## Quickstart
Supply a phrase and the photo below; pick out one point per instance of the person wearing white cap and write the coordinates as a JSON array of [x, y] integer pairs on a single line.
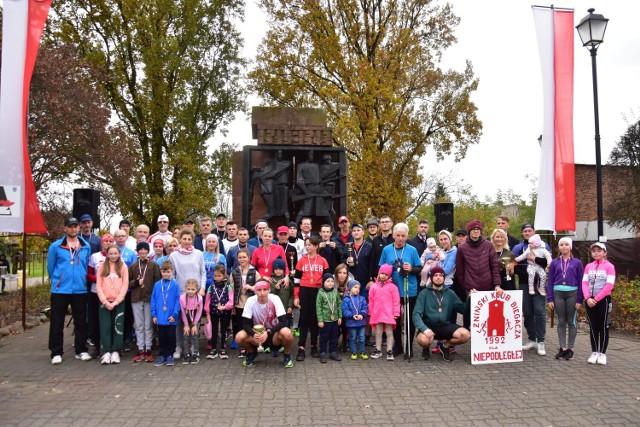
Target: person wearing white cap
[[163, 230], [597, 284], [564, 294]]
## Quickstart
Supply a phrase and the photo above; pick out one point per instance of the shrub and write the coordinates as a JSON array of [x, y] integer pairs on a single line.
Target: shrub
[[626, 304]]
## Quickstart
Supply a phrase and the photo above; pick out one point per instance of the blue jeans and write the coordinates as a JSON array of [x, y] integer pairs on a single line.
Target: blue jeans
[[356, 333], [534, 310]]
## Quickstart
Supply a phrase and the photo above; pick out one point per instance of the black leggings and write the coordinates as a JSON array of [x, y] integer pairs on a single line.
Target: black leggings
[[222, 322], [237, 321], [308, 316], [599, 322]]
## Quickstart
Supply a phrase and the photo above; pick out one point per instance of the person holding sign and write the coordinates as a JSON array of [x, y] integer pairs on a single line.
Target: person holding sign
[[432, 313]]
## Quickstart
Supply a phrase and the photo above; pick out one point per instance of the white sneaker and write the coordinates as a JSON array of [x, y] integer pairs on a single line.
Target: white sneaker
[[56, 360], [84, 356], [106, 358], [115, 357], [602, 359], [177, 353], [530, 345], [593, 358], [541, 350]]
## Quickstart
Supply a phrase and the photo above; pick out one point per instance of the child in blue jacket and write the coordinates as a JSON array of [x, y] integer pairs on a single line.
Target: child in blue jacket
[[165, 309], [354, 311]]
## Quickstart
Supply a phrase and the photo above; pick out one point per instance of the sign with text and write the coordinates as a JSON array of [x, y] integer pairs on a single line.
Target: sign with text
[[496, 327]]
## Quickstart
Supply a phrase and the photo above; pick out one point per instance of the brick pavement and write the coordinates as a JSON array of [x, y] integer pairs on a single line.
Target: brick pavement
[[540, 391]]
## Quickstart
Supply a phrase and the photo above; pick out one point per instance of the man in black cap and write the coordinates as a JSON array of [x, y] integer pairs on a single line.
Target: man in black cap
[[221, 226], [534, 307], [189, 225], [86, 227], [461, 237], [67, 262]]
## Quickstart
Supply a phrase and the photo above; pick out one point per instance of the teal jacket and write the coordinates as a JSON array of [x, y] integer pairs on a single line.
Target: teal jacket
[[426, 314]]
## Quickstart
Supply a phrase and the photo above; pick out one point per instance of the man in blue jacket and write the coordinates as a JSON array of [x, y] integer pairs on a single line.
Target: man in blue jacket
[[67, 267]]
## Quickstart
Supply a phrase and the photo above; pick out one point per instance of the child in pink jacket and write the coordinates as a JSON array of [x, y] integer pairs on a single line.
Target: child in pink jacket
[[111, 286], [384, 309]]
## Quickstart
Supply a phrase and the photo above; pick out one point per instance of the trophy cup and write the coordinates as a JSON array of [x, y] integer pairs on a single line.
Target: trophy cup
[[505, 260], [258, 329], [353, 261]]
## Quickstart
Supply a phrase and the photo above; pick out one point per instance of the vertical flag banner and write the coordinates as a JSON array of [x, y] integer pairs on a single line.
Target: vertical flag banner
[[556, 205], [22, 26]]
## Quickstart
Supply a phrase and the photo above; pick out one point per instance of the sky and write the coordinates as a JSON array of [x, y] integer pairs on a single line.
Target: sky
[[498, 37]]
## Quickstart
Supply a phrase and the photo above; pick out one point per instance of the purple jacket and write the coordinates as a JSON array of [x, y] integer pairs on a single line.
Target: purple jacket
[[572, 276], [477, 265]]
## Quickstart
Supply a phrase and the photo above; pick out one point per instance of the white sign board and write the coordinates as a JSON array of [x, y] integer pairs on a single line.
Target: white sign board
[[496, 327]]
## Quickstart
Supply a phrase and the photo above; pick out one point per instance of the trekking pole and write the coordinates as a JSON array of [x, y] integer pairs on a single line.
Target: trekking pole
[[407, 341]]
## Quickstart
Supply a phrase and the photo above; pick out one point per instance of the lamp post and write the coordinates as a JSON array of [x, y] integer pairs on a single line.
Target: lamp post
[[591, 30]]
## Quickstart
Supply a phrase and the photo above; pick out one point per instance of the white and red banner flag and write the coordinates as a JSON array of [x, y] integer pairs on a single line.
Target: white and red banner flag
[[22, 25], [556, 205]]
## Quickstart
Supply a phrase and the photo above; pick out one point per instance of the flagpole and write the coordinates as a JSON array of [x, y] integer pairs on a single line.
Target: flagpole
[[24, 281]]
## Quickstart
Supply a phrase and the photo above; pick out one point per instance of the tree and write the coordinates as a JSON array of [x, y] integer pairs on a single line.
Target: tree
[[171, 71], [373, 66], [624, 209]]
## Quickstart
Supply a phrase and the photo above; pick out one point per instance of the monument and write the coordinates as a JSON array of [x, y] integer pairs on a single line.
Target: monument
[[294, 170]]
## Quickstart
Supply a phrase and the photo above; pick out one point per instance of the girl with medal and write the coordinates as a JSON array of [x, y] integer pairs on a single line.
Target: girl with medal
[[384, 308], [329, 313], [266, 254], [597, 284], [218, 307], [342, 277], [355, 310], [165, 309], [93, 307], [112, 287], [212, 257], [191, 306], [243, 279], [564, 295], [308, 280]]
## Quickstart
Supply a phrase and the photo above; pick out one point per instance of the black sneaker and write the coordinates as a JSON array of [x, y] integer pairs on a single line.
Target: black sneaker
[[560, 354], [314, 351], [568, 354], [445, 352], [186, 359], [195, 358], [323, 357], [335, 356], [426, 353], [300, 356]]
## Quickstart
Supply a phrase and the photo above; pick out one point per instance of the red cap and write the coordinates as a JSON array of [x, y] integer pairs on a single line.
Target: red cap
[[283, 229], [343, 219]]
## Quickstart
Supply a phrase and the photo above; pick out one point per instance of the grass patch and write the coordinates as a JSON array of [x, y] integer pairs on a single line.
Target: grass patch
[[38, 298]]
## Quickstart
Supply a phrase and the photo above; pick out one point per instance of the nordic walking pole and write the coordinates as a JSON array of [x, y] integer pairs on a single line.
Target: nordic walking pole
[[407, 342]]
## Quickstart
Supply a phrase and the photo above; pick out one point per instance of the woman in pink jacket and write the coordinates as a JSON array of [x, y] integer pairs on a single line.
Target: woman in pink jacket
[[384, 309], [111, 286]]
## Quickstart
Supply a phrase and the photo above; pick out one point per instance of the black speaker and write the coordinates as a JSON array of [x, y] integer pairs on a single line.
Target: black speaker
[[86, 201], [444, 216]]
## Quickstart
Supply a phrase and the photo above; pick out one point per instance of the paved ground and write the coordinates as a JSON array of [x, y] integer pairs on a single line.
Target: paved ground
[[540, 391]]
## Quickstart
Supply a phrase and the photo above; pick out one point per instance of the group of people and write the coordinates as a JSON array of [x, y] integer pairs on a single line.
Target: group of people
[[277, 290]]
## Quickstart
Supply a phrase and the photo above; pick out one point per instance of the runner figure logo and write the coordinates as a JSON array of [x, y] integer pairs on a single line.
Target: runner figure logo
[[496, 327]]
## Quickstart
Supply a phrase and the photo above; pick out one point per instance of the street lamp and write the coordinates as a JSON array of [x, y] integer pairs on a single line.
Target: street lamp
[[591, 30]]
